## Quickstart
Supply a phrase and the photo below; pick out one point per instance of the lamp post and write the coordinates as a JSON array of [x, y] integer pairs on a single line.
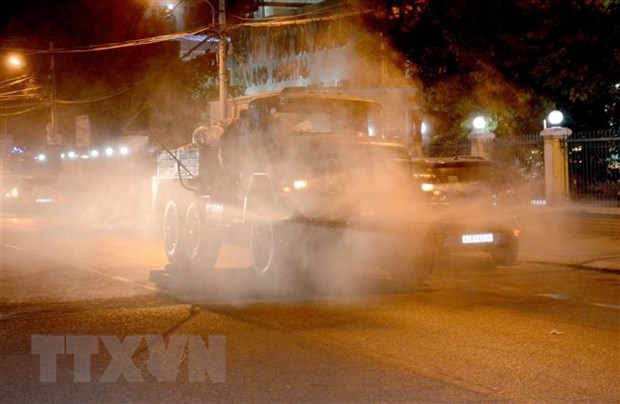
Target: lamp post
[[222, 62], [15, 62], [480, 138], [556, 163], [52, 134]]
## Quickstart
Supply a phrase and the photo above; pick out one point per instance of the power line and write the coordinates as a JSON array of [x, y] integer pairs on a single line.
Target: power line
[[22, 105], [24, 111], [16, 80], [115, 45], [95, 99]]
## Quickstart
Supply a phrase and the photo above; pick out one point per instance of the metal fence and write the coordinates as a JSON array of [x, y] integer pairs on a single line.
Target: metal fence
[[593, 162], [447, 149], [521, 158], [594, 165]]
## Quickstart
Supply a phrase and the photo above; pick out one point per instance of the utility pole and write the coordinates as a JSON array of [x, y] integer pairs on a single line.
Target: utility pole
[[222, 57], [53, 130]]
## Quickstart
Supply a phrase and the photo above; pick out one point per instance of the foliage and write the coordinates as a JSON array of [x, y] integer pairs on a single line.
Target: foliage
[[514, 59]]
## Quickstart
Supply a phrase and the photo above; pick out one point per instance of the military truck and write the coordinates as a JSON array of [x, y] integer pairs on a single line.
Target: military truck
[[297, 169]]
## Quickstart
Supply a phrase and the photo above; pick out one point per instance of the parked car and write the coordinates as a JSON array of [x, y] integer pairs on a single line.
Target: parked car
[[469, 203]]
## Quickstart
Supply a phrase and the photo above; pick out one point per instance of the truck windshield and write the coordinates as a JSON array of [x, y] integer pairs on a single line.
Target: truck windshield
[[322, 115], [290, 123]]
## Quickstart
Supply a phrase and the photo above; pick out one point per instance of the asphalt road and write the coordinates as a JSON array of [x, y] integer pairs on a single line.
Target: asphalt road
[[474, 332]]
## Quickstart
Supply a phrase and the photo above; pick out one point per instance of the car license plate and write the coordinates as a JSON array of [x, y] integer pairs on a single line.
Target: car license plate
[[477, 238]]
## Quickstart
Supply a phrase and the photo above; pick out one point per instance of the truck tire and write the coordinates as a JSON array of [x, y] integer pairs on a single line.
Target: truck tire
[[505, 253], [174, 229], [263, 244], [277, 263], [261, 227], [203, 239]]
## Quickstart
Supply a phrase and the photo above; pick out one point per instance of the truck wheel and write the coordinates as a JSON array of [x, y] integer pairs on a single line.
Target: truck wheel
[[262, 245], [506, 253], [173, 234], [274, 245], [203, 239]]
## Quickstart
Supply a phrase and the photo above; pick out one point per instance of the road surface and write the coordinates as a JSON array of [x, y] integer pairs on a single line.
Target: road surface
[[473, 332]]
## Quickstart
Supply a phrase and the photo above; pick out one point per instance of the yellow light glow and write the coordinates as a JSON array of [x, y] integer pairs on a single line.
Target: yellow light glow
[[15, 61], [427, 187], [300, 184]]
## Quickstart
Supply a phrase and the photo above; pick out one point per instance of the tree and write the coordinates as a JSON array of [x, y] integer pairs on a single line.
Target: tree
[[515, 59]]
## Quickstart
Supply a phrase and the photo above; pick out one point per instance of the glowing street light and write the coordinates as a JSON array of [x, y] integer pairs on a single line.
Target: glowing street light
[[423, 128], [15, 61], [555, 117], [480, 123]]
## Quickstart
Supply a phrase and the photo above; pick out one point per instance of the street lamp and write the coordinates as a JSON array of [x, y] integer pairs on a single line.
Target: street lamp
[[555, 117], [480, 138], [480, 123], [52, 133], [15, 61]]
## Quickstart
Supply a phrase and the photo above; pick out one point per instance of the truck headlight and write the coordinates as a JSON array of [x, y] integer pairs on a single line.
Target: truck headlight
[[300, 184], [427, 187], [13, 193]]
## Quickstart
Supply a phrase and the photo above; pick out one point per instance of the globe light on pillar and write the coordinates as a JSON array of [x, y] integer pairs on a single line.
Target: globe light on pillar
[[555, 118], [480, 123], [480, 138], [555, 158]]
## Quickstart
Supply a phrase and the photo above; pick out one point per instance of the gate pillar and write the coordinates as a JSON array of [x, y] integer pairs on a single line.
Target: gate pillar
[[556, 163], [480, 143]]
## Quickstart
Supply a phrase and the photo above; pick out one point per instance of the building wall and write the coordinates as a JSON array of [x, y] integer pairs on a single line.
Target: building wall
[[269, 58]]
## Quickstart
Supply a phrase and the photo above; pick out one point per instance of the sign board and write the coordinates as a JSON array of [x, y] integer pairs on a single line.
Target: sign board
[[82, 131], [53, 139]]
